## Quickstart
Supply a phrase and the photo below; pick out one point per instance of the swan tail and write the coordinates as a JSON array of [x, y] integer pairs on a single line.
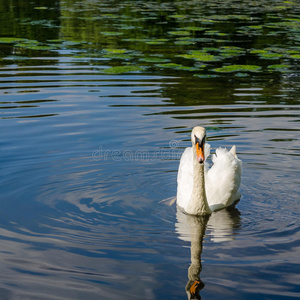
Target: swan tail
[[233, 151]]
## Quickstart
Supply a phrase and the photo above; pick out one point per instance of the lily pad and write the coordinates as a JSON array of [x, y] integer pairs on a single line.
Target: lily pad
[[154, 60], [157, 41], [41, 7], [238, 68], [169, 65], [10, 40], [180, 32], [111, 33], [178, 67], [206, 75], [280, 68], [194, 28], [295, 56], [199, 55], [122, 69]]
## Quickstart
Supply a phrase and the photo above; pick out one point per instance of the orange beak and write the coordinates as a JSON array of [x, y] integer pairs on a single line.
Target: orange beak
[[200, 153]]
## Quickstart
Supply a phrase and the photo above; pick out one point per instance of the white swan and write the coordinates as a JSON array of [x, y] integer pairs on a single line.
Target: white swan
[[201, 191]]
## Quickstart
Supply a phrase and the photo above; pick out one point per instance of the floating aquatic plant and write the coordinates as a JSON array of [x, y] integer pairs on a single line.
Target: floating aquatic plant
[[111, 33], [193, 28], [178, 67], [178, 16], [230, 51], [295, 56], [156, 41], [154, 60], [271, 56], [237, 68], [184, 42], [206, 75], [122, 69], [199, 55], [258, 51], [35, 45], [280, 68], [180, 32], [169, 65], [10, 40], [41, 7], [115, 51]]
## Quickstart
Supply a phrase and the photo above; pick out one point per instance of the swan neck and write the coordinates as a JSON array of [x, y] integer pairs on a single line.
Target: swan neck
[[198, 204]]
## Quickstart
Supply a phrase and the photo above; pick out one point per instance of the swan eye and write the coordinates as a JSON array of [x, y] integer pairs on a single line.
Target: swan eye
[[200, 142]]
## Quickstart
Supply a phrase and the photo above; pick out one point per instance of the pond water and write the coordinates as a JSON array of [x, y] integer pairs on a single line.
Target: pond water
[[98, 99]]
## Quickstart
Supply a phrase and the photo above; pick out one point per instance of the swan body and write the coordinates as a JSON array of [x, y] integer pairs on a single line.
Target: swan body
[[201, 190]]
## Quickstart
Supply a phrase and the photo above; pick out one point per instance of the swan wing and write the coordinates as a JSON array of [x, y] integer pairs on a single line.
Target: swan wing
[[223, 179]]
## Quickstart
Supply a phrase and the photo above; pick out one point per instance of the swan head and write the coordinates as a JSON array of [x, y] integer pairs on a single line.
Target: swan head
[[198, 136]]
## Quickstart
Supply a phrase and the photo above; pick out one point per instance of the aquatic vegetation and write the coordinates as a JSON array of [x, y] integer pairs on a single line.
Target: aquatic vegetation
[[206, 75], [59, 41], [122, 69], [194, 28], [178, 16], [258, 51], [215, 32], [10, 40], [178, 67], [180, 32], [199, 55], [280, 68], [295, 56], [231, 51], [154, 60], [184, 42], [35, 45], [115, 51], [238, 68], [118, 56], [41, 7], [118, 53], [169, 66], [270, 55], [156, 41], [111, 33]]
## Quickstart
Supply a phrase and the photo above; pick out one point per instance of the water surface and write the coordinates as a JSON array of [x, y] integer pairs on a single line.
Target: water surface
[[97, 102]]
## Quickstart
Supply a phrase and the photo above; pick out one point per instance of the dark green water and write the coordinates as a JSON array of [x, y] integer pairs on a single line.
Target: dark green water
[[97, 102]]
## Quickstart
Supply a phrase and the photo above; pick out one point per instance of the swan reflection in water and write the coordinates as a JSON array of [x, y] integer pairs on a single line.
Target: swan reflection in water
[[222, 226]]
